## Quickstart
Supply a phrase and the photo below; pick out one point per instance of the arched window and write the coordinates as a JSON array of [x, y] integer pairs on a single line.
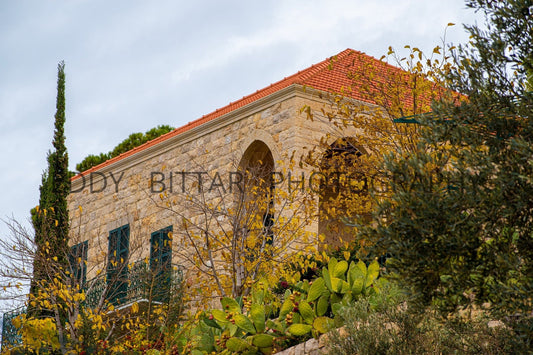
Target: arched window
[[342, 181], [255, 199]]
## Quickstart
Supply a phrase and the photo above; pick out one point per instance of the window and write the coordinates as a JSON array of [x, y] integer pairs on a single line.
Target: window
[[268, 223], [117, 268], [78, 263], [339, 199], [160, 263]]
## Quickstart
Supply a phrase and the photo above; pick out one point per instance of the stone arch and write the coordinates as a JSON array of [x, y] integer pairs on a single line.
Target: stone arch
[[257, 155], [339, 167], [256, 166], [259, 135]]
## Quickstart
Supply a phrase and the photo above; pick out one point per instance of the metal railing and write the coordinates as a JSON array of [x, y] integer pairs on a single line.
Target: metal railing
[[141, 284], [10, 334]]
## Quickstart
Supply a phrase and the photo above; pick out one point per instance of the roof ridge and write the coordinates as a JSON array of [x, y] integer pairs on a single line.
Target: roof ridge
[[323, 65]]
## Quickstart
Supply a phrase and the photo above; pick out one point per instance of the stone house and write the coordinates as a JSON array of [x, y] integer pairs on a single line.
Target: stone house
[[117, 209]]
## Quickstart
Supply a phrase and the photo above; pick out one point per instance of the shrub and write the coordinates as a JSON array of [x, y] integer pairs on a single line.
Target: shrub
[[385, 325]]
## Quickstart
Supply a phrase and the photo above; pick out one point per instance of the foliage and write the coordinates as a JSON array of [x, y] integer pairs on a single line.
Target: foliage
[[50, 218], [459, 219], [133, 140], [368, 119], [388, 326], [38, 334], [98, 329], [76, 315], [230, 239], [261, 324]]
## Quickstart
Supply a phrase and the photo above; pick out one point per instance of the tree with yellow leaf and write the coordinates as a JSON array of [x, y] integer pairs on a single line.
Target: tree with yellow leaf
[[228, 239], [459, 219], [80, 315], [372, 117]]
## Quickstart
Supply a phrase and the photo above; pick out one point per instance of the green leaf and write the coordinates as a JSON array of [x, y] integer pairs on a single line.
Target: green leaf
[[379, 284], [340, 269], [211, 323], [232, 329], [230, 305], [307, 312], [305, 286], [347, 298], [299, 329], [267, 351], [327, 278], [331, 266], [322, 305], [244, 323], [237, 345], [297, 318], [275, 325], [258, 296], [339, 285], [257, 313], [357, 286], [361, 266], [351, 273], [357, 276], [372, 273], [323, 324], [262, 340], [219, 315], [286, 307], [316, 289], [334, 298], [335, 308]]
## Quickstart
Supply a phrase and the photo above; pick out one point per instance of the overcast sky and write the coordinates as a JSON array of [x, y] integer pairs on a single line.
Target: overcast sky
[[133, 65]]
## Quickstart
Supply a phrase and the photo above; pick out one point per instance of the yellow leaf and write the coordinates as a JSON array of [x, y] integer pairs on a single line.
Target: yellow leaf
[[135, 307], [346, 255]]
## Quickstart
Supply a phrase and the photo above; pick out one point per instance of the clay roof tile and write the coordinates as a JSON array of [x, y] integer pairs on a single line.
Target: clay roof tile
[[330, 74]]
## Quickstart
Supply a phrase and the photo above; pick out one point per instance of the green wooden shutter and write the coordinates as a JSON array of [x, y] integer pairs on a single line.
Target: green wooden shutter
[[117, 268], [78, 263], [161, 263]]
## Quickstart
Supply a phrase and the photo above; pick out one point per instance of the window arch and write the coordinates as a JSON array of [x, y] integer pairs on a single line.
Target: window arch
[[342, 182], [256, 198]]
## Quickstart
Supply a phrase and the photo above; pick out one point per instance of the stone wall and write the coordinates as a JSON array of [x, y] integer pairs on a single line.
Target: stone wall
[[310, 347], [120, 193]]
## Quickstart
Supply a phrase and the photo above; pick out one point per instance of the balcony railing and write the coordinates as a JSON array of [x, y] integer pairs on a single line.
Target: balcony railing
[[10, 333], [141, 285]]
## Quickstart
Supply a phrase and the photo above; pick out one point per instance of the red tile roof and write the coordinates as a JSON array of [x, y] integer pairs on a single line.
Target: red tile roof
[[331, 75]]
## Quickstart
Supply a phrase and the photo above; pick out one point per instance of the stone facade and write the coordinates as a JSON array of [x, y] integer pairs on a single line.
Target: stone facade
[[128, 189], [120, 194]]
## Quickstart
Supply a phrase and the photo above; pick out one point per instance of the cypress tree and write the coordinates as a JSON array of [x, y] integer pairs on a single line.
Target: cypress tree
[[50, 218]]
